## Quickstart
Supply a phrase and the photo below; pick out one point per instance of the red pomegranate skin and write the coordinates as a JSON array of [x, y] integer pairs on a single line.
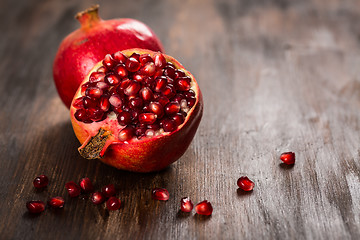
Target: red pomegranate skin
[[148, 155], [82, 49]]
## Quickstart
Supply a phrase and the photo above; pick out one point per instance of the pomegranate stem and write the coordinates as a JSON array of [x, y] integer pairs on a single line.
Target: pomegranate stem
[[89, 17]]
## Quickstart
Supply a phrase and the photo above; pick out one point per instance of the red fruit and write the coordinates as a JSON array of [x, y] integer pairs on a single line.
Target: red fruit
[[41, 181], [160, 194], [288, 157], [186, 204], [86, 185], [204, 208], [35, 206], [97, 198], [146, 127], [73, 189], [56, 202], [113, 203], [245, 183], [109, 190], [89, 44]]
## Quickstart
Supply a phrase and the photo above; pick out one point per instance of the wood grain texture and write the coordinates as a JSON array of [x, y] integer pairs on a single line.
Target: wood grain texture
[[276, 76]]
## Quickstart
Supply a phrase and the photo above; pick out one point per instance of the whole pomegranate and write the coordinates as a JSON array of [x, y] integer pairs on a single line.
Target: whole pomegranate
[[136, 110], [83, 48]]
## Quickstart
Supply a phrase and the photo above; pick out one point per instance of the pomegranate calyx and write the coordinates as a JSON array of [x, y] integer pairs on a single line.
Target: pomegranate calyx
[[95, 146], [89, 17]]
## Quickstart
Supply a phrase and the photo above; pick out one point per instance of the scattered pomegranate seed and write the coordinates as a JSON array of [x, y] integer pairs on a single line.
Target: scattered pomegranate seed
[[73, 189], [245, 183], [56, 202], [41, 181], [35, 206], [160, 194], [113, 203], [204, 208], [86, 185], [186, 204], [97, 198], [288, 157], [109, 190]]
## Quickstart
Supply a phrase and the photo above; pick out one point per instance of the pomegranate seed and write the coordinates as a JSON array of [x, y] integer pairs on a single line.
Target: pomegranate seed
[[90, 102], [109, 61], [121, 70], [136, 102], [183, 83], [186, 204], [35, 206], [179, 73], [73, 189], [112, 79], [138, 77], [126, 133], [120, 57], [163, 100], [116, 101], [160, 83], [168, 91], [145, 58], [136, 56], [109, 190], [124, 118], [169, 71], [160, 194], [146, 94], [104, 103], [96, 77], [56, 202], [172, 108], [140, 131], [159, 60], [149, 133], [204, 208], [156, 108], [154, 126], [245, 183], [41, 181], [178, 118], [288, 157], [86, 185], [103, 86], [132, 64], [97, 198], [148, 69], [95, 114], [78, 103], [101, 69], [113, 203], [147, 118], [178, 97], [191, 102], [168, 125], [82, 116], [132, 89], [123, 85]]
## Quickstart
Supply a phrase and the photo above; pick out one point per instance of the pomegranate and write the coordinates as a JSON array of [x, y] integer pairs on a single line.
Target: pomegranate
[[136, 110], [83, 48]]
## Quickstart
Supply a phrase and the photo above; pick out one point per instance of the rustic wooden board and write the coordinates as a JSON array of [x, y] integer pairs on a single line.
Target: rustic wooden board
[[276, 76]]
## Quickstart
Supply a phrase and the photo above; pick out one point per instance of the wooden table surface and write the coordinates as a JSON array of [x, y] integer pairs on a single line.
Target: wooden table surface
[[276, 76]]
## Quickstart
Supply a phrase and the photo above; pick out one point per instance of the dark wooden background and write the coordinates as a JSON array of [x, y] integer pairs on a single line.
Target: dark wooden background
[[276, 76]]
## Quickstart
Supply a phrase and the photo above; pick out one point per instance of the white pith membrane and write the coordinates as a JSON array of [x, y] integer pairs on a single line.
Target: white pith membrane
[[110, 119]]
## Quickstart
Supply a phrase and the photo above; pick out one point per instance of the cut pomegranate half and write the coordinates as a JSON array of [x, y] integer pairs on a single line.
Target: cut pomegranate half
[[142, 118]]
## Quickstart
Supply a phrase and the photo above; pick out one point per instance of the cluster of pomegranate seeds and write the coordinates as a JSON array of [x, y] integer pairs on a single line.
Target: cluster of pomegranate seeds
[[245, 183], [148, 95], [186, 205], [56, 202], [41, 181], [73, 189], [288, 158], [160, 194], [35, 206], [204, 208]]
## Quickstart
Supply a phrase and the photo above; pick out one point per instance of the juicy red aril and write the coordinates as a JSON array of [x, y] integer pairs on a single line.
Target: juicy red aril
[[81, 115], [163, 100], [169, 91], [121, 70], [112, 79], [156, 108], [109, 190], [132, 64], [90, 102], [78, 103], [169, 71], [146, 94], [124, 118], [41, 181], [148, 69], [191, 102], [178, 118], [145, 58], [113, 203], [288, 157], [160, 194], [172, 108], [119, 57], [168, 125], [183, 83], [73, 189], [147, 118], [35, 206], [179, 73], [103, 86], [86, 185], [97, 198], [136, 102], [245, 183], [116, 101], [186, 205], [149, 133], [159, 60], [96, 77], [132, 89], [104, 103], [95, 114], [126, 133], [204, 208], [109, 61], [56, 202], [160, 83]]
